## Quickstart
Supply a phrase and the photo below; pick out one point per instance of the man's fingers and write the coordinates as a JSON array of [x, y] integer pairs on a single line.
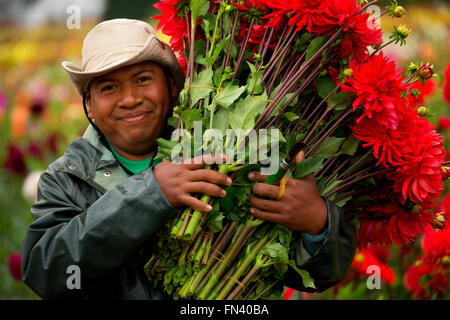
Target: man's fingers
[[201, 161], [268, 216], [210, 176], [299, 157], [265, 205], [195, 204], [257, 176], [266, 190], [205, 188]]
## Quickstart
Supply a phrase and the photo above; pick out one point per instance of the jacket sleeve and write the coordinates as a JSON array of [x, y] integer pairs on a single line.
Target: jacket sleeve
[[97, 239], [329, 264]]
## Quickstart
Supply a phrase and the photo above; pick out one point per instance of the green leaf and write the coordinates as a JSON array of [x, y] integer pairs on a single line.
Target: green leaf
[[291, 116], [254, 80], [328, 148], [217, 49], [324, 86], [214, 219], [201, 86], [350, 146], [242, 118], [308, 166], [220, 120], [308, 282], [277, 252], [190, 116], [341, 100], [199, 8], [228, 96], [331, 186], [314, 46]]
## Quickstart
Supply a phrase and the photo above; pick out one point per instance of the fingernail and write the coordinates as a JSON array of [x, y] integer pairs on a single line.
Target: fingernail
[[252, 211], [229, 181], [251, 175], [224, 193], [208, 207]]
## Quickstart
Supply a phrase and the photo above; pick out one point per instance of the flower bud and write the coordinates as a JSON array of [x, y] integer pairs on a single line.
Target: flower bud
[[399, 11], [423, 111], [413, 67], [418, 263], [426, 71], [347, 72], [403, 31]]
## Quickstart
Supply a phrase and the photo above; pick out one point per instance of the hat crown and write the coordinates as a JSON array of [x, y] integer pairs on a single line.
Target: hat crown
[[114, 40]]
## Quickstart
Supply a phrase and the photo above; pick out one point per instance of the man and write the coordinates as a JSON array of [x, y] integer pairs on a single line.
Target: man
[[100, 205]]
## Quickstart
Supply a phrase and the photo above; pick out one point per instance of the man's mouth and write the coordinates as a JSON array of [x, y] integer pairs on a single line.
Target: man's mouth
[[134, 117]]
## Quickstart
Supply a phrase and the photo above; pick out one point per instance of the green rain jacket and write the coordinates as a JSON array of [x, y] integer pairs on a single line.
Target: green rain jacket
[[94, 221]]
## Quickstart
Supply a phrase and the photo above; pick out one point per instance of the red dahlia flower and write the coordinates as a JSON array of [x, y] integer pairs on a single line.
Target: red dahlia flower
[[384, 223], [419, 176], [172, 21], [305, 13], [279, 12], [378, 86], [359, 32]]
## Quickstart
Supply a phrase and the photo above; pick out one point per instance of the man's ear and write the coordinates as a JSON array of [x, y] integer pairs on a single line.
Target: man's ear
[[88, 104]]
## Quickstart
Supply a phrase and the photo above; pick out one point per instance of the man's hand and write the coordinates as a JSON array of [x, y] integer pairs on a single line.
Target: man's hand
[[179, 181], [301, 208]]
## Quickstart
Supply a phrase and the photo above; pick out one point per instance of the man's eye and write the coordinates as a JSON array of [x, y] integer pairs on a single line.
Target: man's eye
[[107, 88], [143, 79]]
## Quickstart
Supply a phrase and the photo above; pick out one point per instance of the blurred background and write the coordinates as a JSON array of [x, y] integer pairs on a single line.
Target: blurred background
[[41, 113]]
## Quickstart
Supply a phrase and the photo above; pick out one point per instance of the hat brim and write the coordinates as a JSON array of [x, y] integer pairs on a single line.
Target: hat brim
[[153, 50]]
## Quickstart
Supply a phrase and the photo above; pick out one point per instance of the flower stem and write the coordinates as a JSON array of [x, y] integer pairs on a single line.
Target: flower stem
[[242, 267]]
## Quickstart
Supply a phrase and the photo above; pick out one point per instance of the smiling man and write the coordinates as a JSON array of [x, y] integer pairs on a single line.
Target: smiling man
[[100, 205]]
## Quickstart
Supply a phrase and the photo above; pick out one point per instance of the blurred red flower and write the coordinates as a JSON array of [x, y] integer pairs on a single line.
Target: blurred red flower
[[444, 122], [423, 280], [14, 264], [446, 88], [368, 257], [15, 162]]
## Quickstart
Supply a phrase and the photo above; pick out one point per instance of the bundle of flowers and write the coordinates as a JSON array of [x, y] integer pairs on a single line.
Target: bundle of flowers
[[265, 79]]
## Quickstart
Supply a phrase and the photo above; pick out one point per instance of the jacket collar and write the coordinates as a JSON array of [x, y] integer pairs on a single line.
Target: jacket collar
[[88, 159]]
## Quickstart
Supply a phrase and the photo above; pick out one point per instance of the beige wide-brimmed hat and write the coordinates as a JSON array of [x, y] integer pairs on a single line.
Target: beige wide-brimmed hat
[[117, 43]]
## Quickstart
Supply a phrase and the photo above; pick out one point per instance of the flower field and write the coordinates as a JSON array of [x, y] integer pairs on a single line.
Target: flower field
[[406, 256]]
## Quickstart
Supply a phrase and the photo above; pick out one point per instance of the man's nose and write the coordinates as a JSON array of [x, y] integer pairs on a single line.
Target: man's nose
[[130, 96]]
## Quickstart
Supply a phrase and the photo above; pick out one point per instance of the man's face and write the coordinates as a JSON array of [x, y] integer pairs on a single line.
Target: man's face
[[129, 106]]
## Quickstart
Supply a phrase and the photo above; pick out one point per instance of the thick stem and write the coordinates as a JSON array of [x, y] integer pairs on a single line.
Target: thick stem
[[229, 256], [242, 267], [327, 134], [324, 100], [246, 280], [353, 182], [242, 51]]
